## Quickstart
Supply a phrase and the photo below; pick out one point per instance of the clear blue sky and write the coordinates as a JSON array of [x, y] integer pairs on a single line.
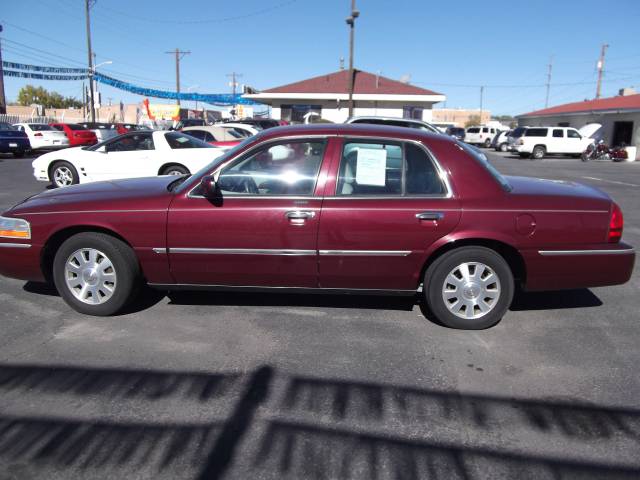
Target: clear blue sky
[[451, 47]]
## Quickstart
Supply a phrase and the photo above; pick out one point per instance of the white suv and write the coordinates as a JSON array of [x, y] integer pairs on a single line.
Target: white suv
[[480, 135], [537, 142]]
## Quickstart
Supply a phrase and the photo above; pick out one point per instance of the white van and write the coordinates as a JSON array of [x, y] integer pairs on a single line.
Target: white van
[[537, 142], [481, 135]]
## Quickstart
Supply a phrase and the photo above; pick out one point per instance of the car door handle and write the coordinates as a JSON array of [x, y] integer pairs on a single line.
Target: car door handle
[[300, 214], [433, 216]]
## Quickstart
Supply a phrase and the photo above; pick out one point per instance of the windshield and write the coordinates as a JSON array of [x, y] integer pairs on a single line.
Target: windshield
[[484, 161]]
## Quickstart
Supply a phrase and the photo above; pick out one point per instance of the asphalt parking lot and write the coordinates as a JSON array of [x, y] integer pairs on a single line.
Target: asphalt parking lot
[[253, 386]]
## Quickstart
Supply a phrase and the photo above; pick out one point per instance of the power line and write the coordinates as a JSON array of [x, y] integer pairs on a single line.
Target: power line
[[212, 20]]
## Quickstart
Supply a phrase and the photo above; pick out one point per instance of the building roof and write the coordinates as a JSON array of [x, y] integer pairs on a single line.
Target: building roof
[[626, 102], [365, 83]]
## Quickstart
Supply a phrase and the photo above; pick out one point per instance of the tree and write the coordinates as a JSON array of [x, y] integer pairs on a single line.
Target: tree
[[473, 120], [29, 95]]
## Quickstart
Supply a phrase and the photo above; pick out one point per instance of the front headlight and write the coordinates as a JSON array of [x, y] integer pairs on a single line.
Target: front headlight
[[14, 228]]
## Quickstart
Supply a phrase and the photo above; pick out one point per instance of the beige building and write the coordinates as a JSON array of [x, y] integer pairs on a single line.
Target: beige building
[[458, 117], [129, 113]]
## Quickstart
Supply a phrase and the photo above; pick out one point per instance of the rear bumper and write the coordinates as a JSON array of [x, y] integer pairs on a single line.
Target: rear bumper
[[558, 269], [20, 260], [10, 145]]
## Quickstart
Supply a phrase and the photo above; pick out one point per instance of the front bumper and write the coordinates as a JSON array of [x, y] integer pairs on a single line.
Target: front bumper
[[589, 266], [21, 260]]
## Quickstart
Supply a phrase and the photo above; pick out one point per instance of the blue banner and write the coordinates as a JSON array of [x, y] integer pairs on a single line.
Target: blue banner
[[37, 68], [213, 98], [43, 76]]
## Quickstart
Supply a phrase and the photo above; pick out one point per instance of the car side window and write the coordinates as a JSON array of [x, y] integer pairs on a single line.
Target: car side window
[[394, 169], [485, 130], [558, 133], [573, 134], [199, 134], [58, 127], [289, 168], [131, 143]]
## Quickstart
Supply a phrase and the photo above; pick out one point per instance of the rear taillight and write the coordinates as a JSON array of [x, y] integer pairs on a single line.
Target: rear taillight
[[616, 224], [37, 134]]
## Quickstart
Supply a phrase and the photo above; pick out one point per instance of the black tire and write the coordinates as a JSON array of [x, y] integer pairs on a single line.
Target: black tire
[[487, 143], [437, 273], [504, 147], [18, 154], [63, 174], [538, 152], [175, 170], [125, 268]]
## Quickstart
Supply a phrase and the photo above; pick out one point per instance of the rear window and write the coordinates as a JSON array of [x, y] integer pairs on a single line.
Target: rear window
[[6, 126], [473, 130], [536, 132], [180, 140], [482, 159], [74, 126], [40, 127], [518, 132]]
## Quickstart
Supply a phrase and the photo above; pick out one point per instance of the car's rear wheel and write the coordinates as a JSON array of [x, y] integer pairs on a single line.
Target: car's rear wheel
[[504, 147], [63, 174], [538, 152], [175, 170], [469, 288], [95, 273], [487, 143]]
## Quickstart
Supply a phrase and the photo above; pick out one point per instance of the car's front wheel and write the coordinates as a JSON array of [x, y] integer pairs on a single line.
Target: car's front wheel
[[504, 147], [63, 174], [469, 288], [95, 273]]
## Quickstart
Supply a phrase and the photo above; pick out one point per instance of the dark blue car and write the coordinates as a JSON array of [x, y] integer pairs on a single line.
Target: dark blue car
[[13, 141]]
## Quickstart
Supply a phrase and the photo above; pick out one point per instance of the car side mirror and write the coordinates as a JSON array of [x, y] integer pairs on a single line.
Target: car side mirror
[[209, 187]]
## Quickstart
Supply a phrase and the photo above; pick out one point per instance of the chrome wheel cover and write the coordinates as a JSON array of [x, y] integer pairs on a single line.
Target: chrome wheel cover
[[90, 276], [62, 176], [471, 290]]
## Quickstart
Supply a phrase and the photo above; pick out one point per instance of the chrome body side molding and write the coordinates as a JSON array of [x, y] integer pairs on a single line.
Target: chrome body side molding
[[307, 290], [555, 253]]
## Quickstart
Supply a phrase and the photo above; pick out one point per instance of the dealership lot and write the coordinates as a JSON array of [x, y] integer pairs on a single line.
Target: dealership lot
[[222, 385]]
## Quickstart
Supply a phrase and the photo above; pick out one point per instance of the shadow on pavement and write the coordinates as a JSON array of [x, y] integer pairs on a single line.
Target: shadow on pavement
[[269, 424], [578, 298]]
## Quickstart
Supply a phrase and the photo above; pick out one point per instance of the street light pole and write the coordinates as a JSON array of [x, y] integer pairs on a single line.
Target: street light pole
[[351, 21], [87, 8]]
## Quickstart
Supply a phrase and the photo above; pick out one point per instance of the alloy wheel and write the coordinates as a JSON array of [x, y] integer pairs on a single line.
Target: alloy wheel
[[90, 276], [471, 290], [62, 177]]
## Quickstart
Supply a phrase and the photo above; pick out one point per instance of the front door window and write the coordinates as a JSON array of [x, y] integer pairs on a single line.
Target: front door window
[[278, 169]]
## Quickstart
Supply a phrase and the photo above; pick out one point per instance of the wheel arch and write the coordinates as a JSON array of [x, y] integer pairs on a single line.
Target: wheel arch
[[511, 255], [54, 242], [172, 164]]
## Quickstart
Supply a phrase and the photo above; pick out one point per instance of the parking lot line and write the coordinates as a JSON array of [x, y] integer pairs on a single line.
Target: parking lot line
[[612, 181]]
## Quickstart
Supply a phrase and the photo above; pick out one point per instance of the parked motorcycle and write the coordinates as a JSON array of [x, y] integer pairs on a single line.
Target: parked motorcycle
[[600, 151]]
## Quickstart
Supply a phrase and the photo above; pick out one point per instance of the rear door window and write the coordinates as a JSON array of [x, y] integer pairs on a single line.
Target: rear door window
[[558, 133], [387, 169], [536, 132]]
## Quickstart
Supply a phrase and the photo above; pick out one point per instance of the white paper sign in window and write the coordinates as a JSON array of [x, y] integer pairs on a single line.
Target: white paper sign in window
[[371, 167]]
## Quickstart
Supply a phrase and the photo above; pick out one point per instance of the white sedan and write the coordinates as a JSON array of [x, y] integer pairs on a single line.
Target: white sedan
[[135, 154], [43, 136]]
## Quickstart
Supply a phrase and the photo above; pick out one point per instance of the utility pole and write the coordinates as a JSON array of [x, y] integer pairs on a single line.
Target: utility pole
[[481, 98], [3, 100], [179, 55], [87, 8], [351, 21], [601, 68], [234, 85], [546, 100]]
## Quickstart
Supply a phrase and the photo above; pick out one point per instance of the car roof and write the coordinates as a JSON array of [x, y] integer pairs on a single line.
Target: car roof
[[351, 129]]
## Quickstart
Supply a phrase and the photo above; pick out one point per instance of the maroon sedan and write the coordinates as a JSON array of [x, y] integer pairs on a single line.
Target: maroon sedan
[[324, 208], [77, 134]]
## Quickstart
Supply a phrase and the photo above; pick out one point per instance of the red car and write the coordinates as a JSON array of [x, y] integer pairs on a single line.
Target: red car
[[123, 128], [77, 134], [324, 208]]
